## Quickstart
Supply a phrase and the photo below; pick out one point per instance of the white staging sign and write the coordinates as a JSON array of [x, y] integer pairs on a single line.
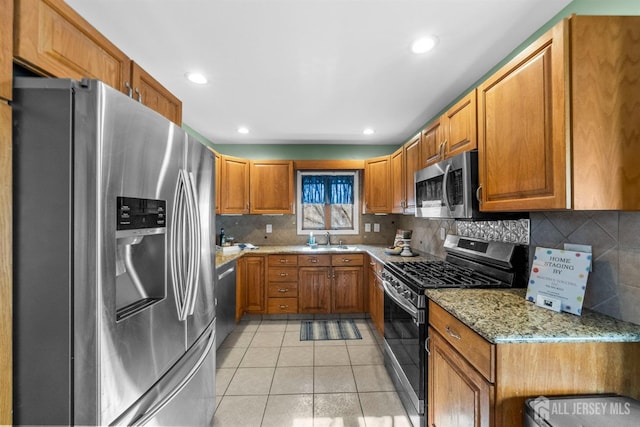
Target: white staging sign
[[558, 279]]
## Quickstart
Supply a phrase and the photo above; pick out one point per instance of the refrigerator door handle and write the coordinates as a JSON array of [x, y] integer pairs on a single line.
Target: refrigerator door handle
[[148, 415], [195, 239], [177, 246]]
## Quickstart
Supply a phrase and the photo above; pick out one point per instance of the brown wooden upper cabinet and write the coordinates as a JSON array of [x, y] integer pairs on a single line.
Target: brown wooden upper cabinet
[[6, 48], [377, 190], [271, 187], [151, 93], [234, 185], [254, 186], [452, 133], [404, 163], [558, 124], [398, 189], [431, 144], [412, 162], [460, 126], [52, 39]]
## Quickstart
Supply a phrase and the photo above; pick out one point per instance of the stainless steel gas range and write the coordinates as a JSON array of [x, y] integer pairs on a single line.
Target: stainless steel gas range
[[470, 263]]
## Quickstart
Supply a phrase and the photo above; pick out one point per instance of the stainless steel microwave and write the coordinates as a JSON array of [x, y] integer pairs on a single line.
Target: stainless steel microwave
[[447, 189]]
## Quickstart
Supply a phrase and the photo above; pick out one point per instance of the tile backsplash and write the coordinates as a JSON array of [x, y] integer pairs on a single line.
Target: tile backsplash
[[510, 231], [613, 287], [252, 229]]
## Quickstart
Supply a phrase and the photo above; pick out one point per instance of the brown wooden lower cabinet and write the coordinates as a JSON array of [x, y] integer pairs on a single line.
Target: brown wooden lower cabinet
[[473, 382], [309, 284], [251, 283], [376, 294], [314, 289], [346, 290], [458, 394]]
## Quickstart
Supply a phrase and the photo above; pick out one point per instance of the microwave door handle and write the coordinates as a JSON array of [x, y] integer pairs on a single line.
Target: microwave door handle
[[445, 195]]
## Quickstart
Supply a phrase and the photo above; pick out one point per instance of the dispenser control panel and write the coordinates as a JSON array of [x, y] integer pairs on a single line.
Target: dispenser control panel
[[135, 213]]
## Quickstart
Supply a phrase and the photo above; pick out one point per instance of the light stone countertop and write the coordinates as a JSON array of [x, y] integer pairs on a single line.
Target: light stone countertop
[[375, 251], [504, 316]]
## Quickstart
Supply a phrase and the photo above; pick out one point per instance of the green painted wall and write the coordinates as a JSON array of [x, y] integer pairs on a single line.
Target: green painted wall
[[305, 151], [296, 151], [357, 152]]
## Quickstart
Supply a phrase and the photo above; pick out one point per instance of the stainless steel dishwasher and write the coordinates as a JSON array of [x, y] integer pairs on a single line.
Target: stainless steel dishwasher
[[225, 295]]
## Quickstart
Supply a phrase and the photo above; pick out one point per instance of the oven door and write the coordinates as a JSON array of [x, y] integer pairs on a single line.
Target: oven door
[[404, 338]]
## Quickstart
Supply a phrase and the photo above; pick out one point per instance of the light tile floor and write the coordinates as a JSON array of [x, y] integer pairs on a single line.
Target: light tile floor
[[267, 377]]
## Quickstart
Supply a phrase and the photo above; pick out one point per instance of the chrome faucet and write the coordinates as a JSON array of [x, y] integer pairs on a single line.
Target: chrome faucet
[[328, 239]]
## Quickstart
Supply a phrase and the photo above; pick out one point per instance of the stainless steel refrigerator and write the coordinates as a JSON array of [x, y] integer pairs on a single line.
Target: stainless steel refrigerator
[[114, 315]]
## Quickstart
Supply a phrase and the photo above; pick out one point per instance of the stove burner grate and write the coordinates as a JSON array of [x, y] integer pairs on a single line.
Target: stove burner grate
[[444, 274]]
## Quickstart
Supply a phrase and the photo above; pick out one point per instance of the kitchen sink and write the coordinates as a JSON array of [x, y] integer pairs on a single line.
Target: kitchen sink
[[332, 248]]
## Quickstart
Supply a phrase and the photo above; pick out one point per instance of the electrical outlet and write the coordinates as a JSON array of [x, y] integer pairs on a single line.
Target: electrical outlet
[[269, 228], [376, 228], [367, 228], [443, 233]]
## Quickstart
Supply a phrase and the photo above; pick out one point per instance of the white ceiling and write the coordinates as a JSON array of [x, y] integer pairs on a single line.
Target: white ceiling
[[315, 71]]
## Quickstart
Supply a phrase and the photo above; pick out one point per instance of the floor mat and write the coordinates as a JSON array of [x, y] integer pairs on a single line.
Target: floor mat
[[317, 330]]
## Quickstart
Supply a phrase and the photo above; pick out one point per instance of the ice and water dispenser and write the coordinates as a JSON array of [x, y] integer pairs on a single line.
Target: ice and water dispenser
[[141, 247]]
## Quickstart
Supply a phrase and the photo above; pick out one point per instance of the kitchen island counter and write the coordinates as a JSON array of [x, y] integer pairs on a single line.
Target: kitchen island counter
[[504, 316]]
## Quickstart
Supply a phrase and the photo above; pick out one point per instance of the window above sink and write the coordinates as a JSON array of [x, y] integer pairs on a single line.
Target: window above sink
[[327, 201]]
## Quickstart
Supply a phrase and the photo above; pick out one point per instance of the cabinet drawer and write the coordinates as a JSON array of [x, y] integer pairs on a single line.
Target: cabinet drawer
[[347, 259], [314, 260], [276, 260], [283, 274], [375, 266], [282, 290], [282, 305], [479, 352]]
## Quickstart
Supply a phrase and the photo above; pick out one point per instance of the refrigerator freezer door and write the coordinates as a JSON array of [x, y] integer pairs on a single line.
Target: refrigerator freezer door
[[185, 396], [200, 166]]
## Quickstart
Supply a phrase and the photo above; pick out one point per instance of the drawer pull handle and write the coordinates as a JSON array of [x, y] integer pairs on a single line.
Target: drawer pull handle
[[453, 334], [284, 274], [282, 306], [283, 261], [313, 260], [346, 260], [283, 290]]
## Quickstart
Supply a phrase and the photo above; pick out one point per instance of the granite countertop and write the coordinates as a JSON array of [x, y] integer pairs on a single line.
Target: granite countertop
[[504, 316], [375, 251]]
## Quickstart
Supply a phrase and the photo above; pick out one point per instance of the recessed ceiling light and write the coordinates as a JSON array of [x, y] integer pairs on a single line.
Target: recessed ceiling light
[[196, 78], [368, 131], [424, 44], [243, 130]]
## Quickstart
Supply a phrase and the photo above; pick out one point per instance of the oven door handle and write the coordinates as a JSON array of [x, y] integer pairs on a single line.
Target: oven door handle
[[407, 307]]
